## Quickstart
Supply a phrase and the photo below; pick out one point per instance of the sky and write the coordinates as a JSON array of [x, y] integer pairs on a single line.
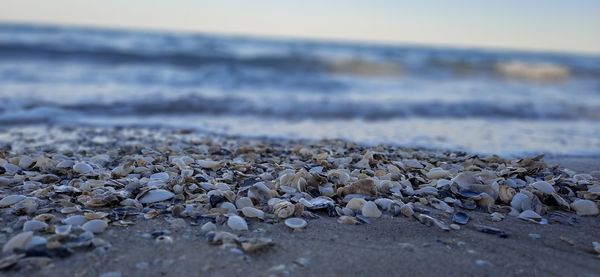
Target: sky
[[555, 25]]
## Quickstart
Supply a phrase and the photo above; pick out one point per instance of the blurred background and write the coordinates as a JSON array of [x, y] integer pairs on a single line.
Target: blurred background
[[493, 77]]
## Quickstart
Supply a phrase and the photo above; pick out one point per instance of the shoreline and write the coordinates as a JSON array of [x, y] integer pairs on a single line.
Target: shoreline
[[424, 241]]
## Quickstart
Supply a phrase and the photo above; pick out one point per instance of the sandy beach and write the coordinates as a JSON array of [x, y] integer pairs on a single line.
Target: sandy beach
[[413, 232]]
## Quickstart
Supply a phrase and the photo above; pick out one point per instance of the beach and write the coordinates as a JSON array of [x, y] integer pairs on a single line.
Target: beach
[[414, 231]]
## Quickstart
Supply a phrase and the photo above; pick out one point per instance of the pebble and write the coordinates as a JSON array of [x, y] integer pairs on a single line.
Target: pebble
[[95, 226]]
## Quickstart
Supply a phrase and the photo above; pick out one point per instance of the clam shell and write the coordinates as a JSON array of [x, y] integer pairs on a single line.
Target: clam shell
[[350, 220], [441, 205], [529, 214], [584, 207], [160, 176], [506, 194], [437, 173], [295, 223], [521, 202], [156, 195], [544, 187], [62, 229], [95, 226], [284, 209], [208, 227], [82, 168], [237, 223], [460, 218], [17, 242], [243, 202], [356, 204], [407, 210], [370, 209], [34, 225], [11, 200], [252, 212], [210, 164]]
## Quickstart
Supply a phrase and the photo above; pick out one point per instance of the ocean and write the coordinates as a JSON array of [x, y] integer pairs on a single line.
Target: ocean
[[477, 100]]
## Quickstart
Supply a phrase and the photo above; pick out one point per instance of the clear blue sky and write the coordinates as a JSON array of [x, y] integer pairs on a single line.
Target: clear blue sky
[[563, 25]]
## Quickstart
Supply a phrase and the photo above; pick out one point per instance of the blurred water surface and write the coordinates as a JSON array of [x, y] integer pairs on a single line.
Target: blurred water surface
[[486, 101]]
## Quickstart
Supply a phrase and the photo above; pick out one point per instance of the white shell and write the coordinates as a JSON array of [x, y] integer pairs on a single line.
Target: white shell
[[11, 199], [95, 226], [243, 202], [75, 220], [295, 223], [25, 162], [543, 186], [356, 204], [161, 176], [237, 223], [17, 242], [34, 225], [437, 173], [584, 207], [62, 229], [156, 195], [82, 168], [208, 226], [253, 212], [208, 164], [35, 241], [370, 210], [520, 202], [529, 214]]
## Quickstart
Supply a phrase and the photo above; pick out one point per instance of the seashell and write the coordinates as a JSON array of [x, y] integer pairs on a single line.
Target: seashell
[[484, 200], [529, 214], [460, 218], [75, 220], [584, 207], [430, 221], [284, 209], [370, 209], [228, 206], [356, 204], [437, 173], [384, 203], [11, 200], [441, 205], [65, 164], [160, 176], [243, 202], [82, 168], [521, 202], [17, 242], [295, 223], [34, 225], [317, 203], [11, 168], [543, 187], [364, 186], [260, 192], [156, 195], [35, 241], [62, 229], [596, 246], [496, 217], [163, 239], [350, 220], [25, 162], [70, 209], [222, 238], [254, 245], [407, 210], [237, 223], [45, 217], [252, 212], [95, 215], [506, 193], [208, 227], [95, 226], [210, 164]]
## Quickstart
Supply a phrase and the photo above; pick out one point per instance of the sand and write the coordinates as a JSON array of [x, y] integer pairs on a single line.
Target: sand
[[388, 246]]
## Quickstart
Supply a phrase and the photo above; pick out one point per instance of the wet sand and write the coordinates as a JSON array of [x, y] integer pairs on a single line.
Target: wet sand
[[388, 246]]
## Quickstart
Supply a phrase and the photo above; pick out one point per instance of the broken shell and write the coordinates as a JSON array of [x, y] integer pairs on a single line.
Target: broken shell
[[506, 194], [460, 218], [17, 242], [95, 226], [253, 212], [156, 195], [370, 209], [11, 200], [62, 229], [295, 223], [34, 225], [407, 210], [254, 245], [496, 216], [441, 205], [364, 186], [82, 168], [350, 220], [237, 223], [356, 204], [584, 207], [284, 209]]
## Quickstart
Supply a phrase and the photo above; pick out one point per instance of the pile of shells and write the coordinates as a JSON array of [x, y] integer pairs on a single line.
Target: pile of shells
[[64, 187]]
